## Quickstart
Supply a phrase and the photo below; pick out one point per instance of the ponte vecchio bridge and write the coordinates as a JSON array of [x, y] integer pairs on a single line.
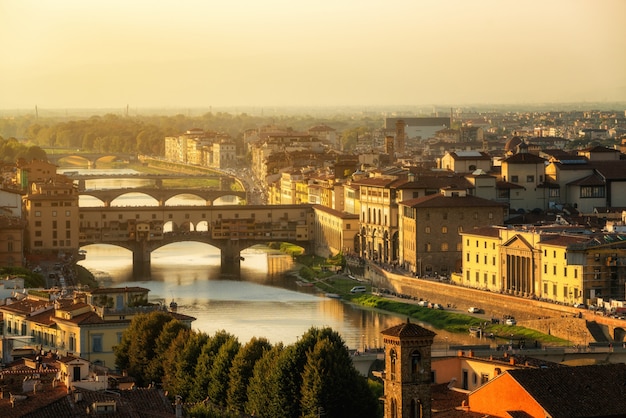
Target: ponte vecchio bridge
[[231, 228]]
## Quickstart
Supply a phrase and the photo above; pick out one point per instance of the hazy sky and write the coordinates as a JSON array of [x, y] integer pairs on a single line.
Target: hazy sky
[[77, 53]]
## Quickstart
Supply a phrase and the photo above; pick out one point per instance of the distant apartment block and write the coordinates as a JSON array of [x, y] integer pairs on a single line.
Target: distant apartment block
[[197, 147]]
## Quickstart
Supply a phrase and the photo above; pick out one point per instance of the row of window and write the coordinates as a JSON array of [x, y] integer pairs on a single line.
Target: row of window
[[53, 204], [187, 216], [545, 270], [54, 213], [55, 243], [68, 224], [529, 179]]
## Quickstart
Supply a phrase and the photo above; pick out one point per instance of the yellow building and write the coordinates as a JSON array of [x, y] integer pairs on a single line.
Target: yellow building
[[335, 232], [50, 208], [288, 187], [557, 264], [11, 241], [481, 253], [73, 326]]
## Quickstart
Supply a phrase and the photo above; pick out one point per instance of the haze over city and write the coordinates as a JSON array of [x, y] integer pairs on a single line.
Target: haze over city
[[75, 54]]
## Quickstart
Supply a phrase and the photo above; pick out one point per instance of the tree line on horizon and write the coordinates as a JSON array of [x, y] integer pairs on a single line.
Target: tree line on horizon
[[145, 134], [223, 377]]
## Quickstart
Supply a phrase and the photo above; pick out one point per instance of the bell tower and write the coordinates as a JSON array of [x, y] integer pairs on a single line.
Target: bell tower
[[407, 376]]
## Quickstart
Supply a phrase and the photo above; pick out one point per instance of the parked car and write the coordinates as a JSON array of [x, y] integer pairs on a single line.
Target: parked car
[[474, 309], [423, 303], [358, 289], [511, 321], [436, 306]]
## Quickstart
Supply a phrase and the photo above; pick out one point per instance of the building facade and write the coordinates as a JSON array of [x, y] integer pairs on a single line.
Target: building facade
[[335, 232], [559, 265], [50, 208], [431, 227], [86, 330]]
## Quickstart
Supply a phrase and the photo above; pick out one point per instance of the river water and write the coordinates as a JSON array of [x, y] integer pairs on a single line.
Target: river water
[[255, 305]]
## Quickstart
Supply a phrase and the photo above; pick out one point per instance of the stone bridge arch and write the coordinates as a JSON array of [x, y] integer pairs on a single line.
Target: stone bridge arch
[[91, 158], [162, 196], [229, 228]]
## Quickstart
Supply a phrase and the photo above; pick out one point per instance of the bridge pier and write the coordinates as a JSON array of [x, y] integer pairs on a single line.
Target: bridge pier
[[231, 259], [141, 260]]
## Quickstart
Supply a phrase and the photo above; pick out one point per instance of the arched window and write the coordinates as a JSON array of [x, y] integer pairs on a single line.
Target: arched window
[[394, 408], [416, 365], [393, 357], [416, 409]]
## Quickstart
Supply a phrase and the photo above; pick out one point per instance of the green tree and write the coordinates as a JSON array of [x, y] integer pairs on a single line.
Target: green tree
[[204, 365], [241, 372], [331, 384], [219, 375], [136, 350], [164, 341], [260, 389], [181, 380], [35, 152]]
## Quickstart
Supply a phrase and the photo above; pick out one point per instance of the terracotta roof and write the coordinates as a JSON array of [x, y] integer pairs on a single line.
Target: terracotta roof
[[437, 182], [562, 240], [507, 185], [376, 182], [524, 158], [440, 201], [181, 317], [461, 155], [611, 170], [44, 318], [582, 391], [408, 329], [25, 306], [35, 405], [592, 180], [446, 403], [86, 319], [341, 215], [146, 402], [599, 148], [485, 231], [106, 290]]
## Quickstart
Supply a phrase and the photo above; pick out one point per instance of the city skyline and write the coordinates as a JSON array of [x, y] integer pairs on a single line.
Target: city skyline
[[72, 54]]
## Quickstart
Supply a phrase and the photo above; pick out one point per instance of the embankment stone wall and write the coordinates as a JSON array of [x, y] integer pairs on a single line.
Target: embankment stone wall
[[558, 320]]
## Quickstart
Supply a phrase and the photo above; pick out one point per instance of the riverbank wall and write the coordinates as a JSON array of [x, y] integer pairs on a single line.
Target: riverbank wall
[[566, 322]]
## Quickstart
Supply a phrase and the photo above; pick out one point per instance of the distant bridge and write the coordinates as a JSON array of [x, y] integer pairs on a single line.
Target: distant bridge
[[161, 195], [157, 179], [230, 228], [91, 157]]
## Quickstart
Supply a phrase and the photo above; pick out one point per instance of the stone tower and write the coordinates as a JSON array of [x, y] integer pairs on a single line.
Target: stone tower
[[400, 136], [407, 376]]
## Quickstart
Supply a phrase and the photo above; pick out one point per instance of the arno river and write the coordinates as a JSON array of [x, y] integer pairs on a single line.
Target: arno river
[[256, 304]]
